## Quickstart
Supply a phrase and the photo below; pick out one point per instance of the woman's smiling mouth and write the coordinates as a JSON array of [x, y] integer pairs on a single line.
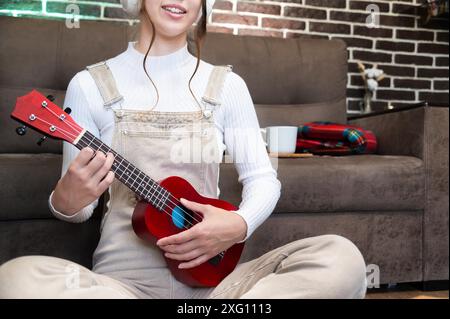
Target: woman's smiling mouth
[[174, 9]]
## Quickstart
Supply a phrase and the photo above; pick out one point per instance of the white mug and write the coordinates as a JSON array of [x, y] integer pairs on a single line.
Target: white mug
[[280, 139]]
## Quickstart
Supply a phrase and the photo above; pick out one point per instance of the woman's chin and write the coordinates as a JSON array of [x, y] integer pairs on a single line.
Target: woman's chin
[[175, 25], [172, 33], [171, 29]]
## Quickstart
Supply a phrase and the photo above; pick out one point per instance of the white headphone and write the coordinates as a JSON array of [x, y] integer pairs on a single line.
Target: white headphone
[[133, 7]]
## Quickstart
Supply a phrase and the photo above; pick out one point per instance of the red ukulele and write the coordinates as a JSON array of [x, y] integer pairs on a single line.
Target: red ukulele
[[159, 213]]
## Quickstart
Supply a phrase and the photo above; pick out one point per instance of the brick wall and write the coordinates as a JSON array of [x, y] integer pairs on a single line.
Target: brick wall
[[415, 57]]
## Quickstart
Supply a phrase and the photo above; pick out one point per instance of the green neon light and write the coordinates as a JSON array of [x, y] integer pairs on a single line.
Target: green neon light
[[26, 9]]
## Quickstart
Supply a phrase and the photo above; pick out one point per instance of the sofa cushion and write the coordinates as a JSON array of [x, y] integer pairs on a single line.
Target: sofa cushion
[[27, 181], [299, 114], [347, 183], [49, 237], [45, 53], [389, 239], [31, 55], [13, 143], [364, 182], [283, 71]]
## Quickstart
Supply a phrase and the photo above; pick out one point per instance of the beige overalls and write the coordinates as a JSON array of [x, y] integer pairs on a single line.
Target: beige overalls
[[163, 144]]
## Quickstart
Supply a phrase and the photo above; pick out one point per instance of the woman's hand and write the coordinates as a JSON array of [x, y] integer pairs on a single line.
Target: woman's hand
[[85, 181], [219, 230]]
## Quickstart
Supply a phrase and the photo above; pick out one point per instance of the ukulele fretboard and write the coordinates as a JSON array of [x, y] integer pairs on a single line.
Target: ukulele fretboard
[[140, 183]]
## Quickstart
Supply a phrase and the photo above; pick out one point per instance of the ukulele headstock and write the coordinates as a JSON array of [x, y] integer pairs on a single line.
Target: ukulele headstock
[[40, 113]]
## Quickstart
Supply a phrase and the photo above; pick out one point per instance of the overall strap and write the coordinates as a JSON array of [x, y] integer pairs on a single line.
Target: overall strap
[[105, 82], [215, 84]]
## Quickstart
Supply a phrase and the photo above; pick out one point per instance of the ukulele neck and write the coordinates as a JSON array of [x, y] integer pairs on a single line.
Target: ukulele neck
[[136, 180]]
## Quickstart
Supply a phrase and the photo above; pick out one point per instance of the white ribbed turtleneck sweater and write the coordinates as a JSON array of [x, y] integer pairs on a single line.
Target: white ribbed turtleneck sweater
[[171, 74]]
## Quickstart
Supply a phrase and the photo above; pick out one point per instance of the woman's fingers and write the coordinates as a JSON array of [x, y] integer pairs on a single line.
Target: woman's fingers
[[194, 263], [182, 248], [106, 182], [96, 163], [197, 207], [193, 254], [104, 169], [83, 157], [179, 238]]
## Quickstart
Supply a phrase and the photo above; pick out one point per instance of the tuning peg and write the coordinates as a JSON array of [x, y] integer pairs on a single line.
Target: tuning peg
[[68, 110], [21, 130], [51, 98], [41, 140]]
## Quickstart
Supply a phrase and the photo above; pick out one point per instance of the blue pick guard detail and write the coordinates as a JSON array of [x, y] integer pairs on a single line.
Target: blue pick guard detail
[[178, 217]]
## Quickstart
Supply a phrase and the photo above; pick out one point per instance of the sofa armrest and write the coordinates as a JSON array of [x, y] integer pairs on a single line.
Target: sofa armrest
[[399, 132], [436, 217], [422, 132]]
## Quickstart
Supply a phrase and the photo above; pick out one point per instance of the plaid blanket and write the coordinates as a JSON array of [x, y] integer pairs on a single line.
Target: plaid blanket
[[327, 138]]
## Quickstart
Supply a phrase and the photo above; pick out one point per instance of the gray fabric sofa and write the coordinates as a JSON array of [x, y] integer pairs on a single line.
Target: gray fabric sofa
[[392, 205]]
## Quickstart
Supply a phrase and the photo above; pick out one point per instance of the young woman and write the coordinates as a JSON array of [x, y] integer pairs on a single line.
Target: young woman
[[145, 104]]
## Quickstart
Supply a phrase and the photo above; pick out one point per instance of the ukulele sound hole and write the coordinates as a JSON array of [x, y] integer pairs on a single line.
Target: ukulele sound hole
[[183, 218], [179, 217]]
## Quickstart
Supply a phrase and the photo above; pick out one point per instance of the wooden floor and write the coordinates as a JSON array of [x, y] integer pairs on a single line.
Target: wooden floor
[[406, 292]]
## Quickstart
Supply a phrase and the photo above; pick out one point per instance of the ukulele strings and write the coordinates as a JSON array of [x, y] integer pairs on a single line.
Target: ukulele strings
[[110, 150], [119, 170], [221, 254], [62, 117], [73, 136], [169, 198]]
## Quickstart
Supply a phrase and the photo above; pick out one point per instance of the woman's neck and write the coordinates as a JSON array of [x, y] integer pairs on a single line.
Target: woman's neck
[[162, 45]]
